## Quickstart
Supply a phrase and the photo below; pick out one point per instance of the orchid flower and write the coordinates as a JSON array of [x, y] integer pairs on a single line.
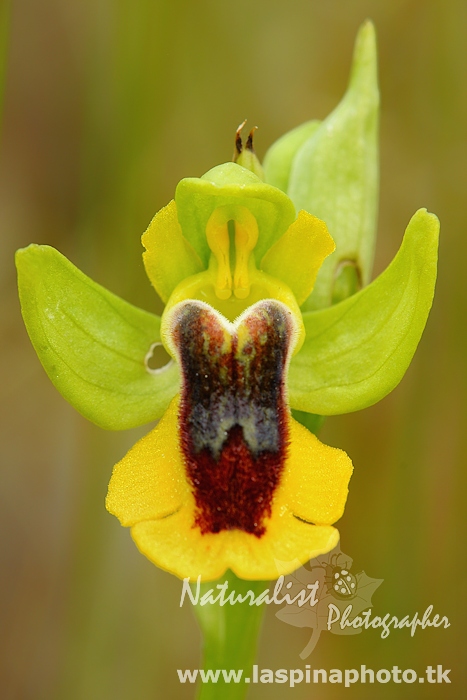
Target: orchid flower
[[228, 479], [238, 482]]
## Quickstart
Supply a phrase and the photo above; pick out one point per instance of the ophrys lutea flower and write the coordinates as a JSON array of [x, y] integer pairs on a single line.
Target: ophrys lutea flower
[[228, 479]]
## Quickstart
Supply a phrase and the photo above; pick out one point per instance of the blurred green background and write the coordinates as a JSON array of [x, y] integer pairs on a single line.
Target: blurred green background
[[108, 104]]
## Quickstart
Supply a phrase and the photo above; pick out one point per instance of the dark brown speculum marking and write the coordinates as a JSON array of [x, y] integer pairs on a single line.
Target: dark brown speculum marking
[[233, 414]]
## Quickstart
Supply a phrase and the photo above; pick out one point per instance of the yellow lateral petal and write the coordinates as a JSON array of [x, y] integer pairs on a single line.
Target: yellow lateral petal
[[297, 256], [169, 257]]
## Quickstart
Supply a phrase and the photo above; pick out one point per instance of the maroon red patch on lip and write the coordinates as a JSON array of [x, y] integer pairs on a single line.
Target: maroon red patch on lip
[[233, 414]]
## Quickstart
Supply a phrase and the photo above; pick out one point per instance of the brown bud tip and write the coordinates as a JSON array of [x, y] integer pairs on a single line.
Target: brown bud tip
[[238, 139], [249, 143]]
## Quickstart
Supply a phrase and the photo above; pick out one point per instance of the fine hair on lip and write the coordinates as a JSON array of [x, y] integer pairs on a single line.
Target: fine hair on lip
[[233, 412]]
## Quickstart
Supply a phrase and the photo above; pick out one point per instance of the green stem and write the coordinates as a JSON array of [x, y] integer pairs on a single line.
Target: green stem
[[230, 636]]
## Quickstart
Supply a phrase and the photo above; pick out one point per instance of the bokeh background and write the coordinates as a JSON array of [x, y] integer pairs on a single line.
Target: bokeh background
[[108, 104]]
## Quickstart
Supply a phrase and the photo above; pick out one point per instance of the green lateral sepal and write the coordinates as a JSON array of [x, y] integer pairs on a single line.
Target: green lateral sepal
[[357, 351], [91, 343]]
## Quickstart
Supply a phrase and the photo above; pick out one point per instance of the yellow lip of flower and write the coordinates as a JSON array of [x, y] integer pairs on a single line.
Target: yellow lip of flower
[[251, 490]]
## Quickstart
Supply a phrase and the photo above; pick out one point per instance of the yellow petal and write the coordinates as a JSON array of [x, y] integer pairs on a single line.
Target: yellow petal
[[297, 256], [169, 257]]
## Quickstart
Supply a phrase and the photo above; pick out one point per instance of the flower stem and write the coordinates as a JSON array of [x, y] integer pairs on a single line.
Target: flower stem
[[230, 637]]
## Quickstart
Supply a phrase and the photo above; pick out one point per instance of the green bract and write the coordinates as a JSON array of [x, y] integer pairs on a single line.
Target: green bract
[[279, 159], [331, 170]]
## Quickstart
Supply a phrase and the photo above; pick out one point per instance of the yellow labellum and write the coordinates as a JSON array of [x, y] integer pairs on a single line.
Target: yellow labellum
[[149, 492]]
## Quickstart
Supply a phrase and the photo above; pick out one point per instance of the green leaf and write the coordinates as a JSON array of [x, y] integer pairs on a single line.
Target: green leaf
[[279, 157], [357, 351], [231, 185], [91, 343], [334, 174]]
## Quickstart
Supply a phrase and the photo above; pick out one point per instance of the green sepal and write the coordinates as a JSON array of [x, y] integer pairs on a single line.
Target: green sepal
[[334, 174], [91, 343], [357, 351], [231, 185], [279, 157]]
